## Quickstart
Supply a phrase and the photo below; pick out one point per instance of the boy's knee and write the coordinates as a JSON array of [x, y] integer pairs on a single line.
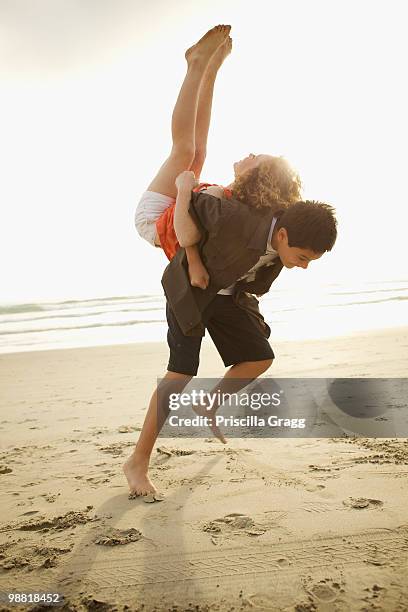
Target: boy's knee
[[253, 369], [264, 365]]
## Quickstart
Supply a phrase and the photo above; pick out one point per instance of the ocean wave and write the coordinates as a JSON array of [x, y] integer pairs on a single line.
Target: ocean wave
[[71, 304], [336, 307], [78, 315], [78, 327]]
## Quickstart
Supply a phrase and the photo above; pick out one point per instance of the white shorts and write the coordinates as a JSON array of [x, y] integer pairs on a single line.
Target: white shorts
[[151, 206]]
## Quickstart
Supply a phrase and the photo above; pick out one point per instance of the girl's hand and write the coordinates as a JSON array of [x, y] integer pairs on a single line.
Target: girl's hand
[[186, 180], [198, 274]]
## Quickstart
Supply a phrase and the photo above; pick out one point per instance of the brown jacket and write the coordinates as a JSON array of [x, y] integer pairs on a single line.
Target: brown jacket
[[234, 236]]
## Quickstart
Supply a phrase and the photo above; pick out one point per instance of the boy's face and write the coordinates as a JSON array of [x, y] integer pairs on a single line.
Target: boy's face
[[293, 257]]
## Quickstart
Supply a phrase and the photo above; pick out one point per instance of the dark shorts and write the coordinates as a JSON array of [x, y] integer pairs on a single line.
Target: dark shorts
[[234, 332]]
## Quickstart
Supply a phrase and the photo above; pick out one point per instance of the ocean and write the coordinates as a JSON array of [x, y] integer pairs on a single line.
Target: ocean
[[337, 309]]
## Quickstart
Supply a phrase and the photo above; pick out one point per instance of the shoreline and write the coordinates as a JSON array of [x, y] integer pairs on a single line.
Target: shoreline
[[392, 339]]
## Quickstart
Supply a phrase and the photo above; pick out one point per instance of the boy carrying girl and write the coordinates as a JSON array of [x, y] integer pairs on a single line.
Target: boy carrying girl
[[226, 245]]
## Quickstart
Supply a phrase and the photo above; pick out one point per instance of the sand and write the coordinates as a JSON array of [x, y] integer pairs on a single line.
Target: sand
[[283, 524]]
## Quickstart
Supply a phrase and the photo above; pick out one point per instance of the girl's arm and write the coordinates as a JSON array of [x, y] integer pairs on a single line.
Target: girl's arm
[[188, 234], [186, 230]]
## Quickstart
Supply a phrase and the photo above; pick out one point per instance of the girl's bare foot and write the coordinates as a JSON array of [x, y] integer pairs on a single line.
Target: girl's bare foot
[[136, 472], [219, 56], [208, 44]]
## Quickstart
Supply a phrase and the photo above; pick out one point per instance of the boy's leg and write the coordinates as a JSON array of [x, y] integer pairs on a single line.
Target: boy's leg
[[137, 466], [237, 377], [185, 112], [183, 365], [241, 341]]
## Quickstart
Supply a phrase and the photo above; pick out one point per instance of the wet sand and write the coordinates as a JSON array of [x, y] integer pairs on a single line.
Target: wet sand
[[258, 524]]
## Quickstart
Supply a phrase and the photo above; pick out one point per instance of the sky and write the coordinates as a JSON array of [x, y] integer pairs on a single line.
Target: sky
[[87, 89]]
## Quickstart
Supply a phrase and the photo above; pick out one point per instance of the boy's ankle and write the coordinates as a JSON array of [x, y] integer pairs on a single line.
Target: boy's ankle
[[140, 455]]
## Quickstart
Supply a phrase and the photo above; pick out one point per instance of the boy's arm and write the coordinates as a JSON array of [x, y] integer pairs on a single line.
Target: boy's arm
[[186, 230]]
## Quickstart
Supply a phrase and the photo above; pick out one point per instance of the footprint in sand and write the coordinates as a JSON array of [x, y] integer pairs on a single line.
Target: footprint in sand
[[233, 524], [13, 563], [314, 487], [360, 503], [33, 557], [128, 429], [320, 593], [57, 523], [170, 452], [326, 590], [323, 592], [116, 448], [95, 481], [283, 562], [118, 537], [319, 468], [50, 498], [260, 601]]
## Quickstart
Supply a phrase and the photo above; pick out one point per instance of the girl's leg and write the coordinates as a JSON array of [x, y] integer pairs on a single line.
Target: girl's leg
[[204, 105], [185, 112], [198, 274]]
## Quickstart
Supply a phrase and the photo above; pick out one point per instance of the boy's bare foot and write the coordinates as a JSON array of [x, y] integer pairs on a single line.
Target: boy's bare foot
[[219, 56], [208, 44], [199, 276], [136, 472], [210, 414]]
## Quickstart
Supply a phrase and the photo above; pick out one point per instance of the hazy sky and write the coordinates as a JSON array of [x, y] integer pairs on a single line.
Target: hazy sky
[[87, 89]]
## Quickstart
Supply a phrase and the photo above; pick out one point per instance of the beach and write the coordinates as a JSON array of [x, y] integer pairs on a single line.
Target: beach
[[257, 524]]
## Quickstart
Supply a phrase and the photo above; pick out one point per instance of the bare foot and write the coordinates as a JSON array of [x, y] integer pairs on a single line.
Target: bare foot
[[136, 472], [208, 44], [199, 276], [219, 56], [210, 414]]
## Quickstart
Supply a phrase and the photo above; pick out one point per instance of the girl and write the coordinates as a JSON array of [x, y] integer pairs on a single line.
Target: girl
[[260, 180]]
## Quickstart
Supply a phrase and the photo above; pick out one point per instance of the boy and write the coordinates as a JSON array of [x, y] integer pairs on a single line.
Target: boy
[[244, 250]]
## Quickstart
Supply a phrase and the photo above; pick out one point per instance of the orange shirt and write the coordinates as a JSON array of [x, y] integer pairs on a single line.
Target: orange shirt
[[165, 224]]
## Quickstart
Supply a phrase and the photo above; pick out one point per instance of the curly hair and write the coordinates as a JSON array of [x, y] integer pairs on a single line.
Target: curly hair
[[272, 184]]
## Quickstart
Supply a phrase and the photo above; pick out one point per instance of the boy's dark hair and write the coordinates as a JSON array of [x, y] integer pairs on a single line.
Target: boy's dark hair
[[310, 225]]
